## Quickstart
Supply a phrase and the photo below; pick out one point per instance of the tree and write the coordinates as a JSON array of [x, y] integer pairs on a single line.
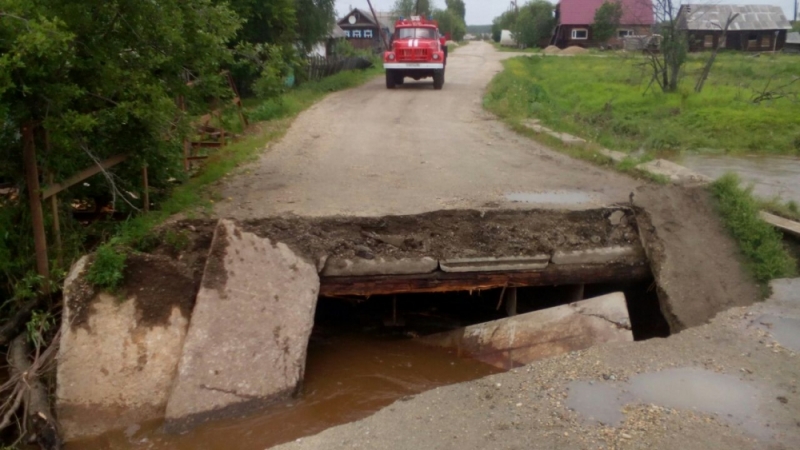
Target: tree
[[450, 23], [407, 8], [667, 62], [606, 21], [534, 24], [458, 7], [315, 18]]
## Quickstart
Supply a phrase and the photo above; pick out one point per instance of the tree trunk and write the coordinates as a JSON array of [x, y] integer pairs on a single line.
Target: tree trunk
[[37, 408]]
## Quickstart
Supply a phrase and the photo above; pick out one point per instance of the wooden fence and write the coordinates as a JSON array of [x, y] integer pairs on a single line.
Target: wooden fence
[[320, 67]]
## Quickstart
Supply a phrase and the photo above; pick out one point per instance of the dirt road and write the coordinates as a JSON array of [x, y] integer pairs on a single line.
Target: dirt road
[[371, 151]]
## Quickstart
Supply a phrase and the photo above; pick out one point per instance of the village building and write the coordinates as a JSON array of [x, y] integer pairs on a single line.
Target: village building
[[574, 19], [792, 42], [363, 30], [757, 28]]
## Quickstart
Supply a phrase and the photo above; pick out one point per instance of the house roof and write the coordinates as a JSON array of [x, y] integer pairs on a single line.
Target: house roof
[[336, 32], [581, 12], [751, 17], [793, 38], [385, 19]]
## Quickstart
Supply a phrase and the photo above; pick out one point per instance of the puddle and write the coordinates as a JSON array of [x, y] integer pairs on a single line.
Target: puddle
[[725, 396], [551, 197], [348, 377], [772, 176], [785, 330]]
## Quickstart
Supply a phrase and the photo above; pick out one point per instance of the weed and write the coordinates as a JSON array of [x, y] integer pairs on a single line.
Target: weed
[[41, 322], [177, 240], [106, 270], [761, 244], [788, 210]]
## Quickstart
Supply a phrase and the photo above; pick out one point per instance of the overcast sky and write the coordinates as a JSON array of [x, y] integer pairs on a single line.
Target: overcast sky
[[481, 12]]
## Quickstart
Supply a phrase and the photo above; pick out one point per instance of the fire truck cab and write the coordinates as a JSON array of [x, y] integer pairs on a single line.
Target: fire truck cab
[[418, 51]]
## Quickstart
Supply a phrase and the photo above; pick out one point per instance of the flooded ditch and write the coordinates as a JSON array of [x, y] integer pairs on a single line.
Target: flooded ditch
[[364, 355], [370, 343]]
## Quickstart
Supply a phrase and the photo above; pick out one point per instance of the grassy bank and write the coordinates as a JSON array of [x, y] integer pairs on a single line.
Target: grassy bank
[[607, 100], [272, 119], [761, 245]]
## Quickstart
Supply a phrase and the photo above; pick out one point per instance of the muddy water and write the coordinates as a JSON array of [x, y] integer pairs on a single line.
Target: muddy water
[[348, 377], [772, 176]]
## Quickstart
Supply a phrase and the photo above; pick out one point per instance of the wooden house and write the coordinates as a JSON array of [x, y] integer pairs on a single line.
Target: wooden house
[[363, 30], [574, 19], [757, 28]]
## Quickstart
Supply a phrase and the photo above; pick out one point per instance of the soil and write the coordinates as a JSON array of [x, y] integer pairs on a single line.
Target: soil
[[157, 285], [448, 234], [574, 50]]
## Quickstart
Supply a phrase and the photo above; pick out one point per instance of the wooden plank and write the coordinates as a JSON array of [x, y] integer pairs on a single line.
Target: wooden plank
[[206, 144], [82, 175], [553, 275], [785, 225]]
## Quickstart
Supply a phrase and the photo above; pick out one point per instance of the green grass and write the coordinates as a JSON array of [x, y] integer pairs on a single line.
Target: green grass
[[606, 100], [761, 244], [788, 210], [272, 119]]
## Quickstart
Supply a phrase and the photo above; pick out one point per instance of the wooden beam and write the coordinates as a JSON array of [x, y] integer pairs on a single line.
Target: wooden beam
[[37, 216], [553, 275], [82, 175]]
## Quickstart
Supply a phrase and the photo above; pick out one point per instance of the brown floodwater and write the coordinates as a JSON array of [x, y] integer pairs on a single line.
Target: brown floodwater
[[349, 376]]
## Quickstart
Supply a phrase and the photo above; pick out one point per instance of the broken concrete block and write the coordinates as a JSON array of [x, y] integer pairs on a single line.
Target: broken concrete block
[[615, 218], [613, 155], [522, 339], [675, 172], [354, 267], [491, 264], [248, 336], [603, 255], [784, 225], [118, 356]]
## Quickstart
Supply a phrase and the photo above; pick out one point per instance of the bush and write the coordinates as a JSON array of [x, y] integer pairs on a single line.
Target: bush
[[107, 269]]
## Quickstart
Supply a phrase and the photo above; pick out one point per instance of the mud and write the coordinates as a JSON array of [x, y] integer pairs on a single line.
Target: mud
[[157, 286], [448, 234]]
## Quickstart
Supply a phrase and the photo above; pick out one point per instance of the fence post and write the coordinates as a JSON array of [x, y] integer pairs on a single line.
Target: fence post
[[146, 193], [34, 197], [56, 224]]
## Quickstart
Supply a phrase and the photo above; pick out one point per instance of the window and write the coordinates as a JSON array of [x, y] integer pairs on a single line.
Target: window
[[418, 33], [368, 34], [766, 41], [722, 41], [580, 33], [347, 33], [356, 33], [624, 33], [708, 41]]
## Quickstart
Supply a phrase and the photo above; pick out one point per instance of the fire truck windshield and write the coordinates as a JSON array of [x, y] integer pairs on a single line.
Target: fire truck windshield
[[416, 33]]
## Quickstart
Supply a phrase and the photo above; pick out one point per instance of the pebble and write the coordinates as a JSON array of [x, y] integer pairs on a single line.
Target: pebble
[[626, 436]]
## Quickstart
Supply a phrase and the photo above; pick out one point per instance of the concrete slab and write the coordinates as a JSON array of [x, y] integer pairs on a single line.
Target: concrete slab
[[248, 336], [115, 368], [602, 255], [490, 264], [525, 338], [567, 138], [613, 155], [785, 225], [675, 172], [353, 267]]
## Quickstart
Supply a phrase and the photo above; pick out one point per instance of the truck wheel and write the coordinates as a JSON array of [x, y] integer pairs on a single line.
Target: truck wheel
[[438, 79], [399, 79], [391, 79]]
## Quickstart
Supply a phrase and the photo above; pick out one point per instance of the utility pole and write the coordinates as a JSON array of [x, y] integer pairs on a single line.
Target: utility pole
[[380, 28]]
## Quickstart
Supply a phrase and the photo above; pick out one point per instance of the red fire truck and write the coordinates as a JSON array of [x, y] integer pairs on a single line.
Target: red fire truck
[[418, 51]]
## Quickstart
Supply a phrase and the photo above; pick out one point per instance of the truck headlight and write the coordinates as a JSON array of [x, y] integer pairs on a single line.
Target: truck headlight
[[435, 56], [391, 56]]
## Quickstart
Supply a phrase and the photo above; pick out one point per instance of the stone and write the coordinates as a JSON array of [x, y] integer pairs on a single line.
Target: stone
[[247, 340], [616, 217], [604, 255], [784, 225], [524, 338], [613, 155], [355, 267], [490, 264], [117, 360], [675, 172]]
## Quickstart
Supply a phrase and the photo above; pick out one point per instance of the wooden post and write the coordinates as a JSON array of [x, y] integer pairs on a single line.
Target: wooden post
[[37, 216], [56, 225], [146, 193], [380, 28]]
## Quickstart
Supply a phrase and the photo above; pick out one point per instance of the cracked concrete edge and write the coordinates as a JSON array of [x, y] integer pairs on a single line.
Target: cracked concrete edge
[[675, 172], [603, 255], [354, 267], [490, 264]]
